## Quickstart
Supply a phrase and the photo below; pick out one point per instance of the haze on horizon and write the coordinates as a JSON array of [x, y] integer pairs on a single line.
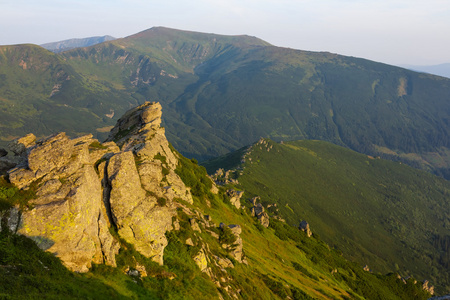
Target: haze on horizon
[[390, 31]]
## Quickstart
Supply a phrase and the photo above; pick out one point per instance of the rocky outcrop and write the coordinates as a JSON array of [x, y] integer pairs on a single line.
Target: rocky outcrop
[[426, 287], [84, 187], [139, 131], [304, 226], [200, 260], [66, 218], [235, 197], [236, 248], [258, 211], [19, 146], [224, 262], [263, 219]]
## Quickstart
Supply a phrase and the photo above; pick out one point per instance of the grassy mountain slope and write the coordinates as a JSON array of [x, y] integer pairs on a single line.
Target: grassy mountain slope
[[220, 93], [285, 95], [282, 262], [381, 213], [42, 93]]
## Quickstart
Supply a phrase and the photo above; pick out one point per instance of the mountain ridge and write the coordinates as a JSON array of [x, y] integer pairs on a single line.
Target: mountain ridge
[[227, 93], [370, 208], [68, 44], [439, 70]]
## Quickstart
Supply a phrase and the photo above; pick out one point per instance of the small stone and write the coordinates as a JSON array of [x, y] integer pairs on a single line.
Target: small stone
[[176, 225], [194, 225], [141, 269]]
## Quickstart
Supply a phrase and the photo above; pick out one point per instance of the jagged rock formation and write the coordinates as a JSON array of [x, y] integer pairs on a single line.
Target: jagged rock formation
[[222, 178], [84, 187]]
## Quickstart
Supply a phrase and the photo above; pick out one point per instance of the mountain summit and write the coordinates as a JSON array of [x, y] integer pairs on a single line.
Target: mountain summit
[[221, 93]]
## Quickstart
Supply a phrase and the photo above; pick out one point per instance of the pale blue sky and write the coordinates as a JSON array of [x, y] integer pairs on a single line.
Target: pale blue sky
[[390, 31]]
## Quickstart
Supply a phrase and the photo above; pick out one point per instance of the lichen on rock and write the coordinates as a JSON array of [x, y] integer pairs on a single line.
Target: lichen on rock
[[83, 188]]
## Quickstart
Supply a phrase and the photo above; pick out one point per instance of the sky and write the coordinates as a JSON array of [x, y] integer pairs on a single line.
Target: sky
[[391, 31]]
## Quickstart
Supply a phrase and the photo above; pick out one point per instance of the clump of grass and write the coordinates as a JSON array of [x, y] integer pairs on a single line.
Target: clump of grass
[[96, 145], [10, 195]]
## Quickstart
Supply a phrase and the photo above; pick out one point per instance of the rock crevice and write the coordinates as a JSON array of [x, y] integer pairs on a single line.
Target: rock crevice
[[84, 187]]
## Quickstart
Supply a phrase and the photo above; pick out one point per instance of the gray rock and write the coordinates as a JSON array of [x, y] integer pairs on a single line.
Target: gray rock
[[257, 209], [194, 225], [263, 219], [237, 247], [7, 163], [224, 262], [235, 197], [10, 219], [304, 226], [19, 146], [134, 273], [85, 187]]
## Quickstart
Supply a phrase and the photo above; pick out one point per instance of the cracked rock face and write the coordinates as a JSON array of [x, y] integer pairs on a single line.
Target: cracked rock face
[[66, 218], [83, 188]]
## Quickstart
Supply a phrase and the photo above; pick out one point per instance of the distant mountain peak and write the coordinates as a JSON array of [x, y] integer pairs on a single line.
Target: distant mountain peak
[[64, 45], [440, 70], [167, 32]]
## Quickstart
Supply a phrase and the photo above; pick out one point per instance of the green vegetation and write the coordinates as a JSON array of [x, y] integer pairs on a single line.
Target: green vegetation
[[96, 145], [282, 261], [194, 176], [26, 272], [220, 93], [381, 213], [11, 196]]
